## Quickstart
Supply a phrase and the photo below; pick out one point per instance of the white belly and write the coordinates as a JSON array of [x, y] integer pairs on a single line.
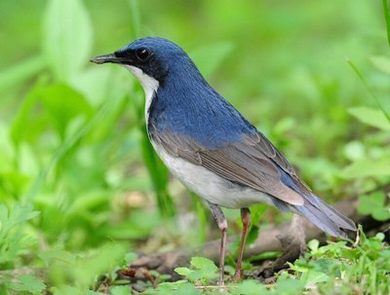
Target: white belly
[[209, 185]]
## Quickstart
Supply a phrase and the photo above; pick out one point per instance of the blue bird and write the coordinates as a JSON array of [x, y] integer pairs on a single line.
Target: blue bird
[[211, 148]]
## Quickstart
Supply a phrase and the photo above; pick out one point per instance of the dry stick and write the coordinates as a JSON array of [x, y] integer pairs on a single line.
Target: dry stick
[[268, 240]]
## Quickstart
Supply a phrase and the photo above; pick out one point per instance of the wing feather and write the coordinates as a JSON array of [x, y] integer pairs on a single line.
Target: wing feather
[[253, 162]]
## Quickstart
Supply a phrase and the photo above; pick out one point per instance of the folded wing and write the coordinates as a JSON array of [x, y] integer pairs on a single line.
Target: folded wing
[[252, 162]]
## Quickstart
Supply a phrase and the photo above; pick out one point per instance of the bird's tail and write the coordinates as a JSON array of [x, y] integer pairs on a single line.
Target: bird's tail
[[325, 217]]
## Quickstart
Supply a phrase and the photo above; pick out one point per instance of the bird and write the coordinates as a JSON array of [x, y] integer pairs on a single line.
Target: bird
[[212, 148]]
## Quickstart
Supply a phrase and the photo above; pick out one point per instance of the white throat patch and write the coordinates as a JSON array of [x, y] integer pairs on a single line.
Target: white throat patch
[[149, 84]]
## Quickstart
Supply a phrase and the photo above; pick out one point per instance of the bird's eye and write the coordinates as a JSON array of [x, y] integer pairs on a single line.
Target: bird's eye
[[142, 54]]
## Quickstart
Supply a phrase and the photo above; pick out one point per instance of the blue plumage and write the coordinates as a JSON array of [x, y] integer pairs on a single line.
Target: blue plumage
[[190, 116], [290, 182], [211, 147], [201, 113], [188, 120]]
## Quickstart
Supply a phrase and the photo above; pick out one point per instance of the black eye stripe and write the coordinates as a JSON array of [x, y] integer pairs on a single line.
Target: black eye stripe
[[142, 54]]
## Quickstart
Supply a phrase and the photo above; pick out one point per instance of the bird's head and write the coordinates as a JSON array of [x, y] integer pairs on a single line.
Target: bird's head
[[150, 58]]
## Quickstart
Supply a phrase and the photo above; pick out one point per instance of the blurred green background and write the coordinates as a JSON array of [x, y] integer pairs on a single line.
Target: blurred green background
[[77, 173]]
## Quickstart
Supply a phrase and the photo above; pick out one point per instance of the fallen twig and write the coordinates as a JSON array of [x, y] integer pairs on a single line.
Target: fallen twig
[[270, 239]]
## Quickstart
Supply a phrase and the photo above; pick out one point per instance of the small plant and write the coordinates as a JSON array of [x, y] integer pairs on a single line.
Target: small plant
[[335, 266], [15, 241]]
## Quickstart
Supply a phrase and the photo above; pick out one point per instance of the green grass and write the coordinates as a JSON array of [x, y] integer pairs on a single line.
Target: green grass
[[81, 189], [344, 270]]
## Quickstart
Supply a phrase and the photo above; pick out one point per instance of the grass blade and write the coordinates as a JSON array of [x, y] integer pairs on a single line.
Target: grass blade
[[363, 80], [21, 72], [387, 19], [135, 17]]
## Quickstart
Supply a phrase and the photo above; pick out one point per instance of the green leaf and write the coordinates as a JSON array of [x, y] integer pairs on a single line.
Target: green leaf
[[130, 257], [314, 277], [387, 19], [252, 234], [66, 290], [250, 287], [21, 71], [374, 204], [13, 238], [313, 245], [203, 264], [135, 17], [370, 91], [61, 104], [67, 35], [210, 57], [120, 290], [381, 214], [202, 269], [382, 63], [176, 288], [82, 268], [90, 266], [183, 271], [99, 83], [372, 117], [18, 215], [267, 255], [28, 283], [287, 286], [19, 132], [367, 168], [56, 255], [7, 154], [354, 150]]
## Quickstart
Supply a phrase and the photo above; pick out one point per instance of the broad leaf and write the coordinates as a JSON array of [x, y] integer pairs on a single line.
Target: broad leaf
[[373, 117], [67, 37], [209, 58], [28, 283], [368, 168], [22, 71], [183, 271], [12, 231], [374, 204], [382, 63], [61, 104], [203, 264]]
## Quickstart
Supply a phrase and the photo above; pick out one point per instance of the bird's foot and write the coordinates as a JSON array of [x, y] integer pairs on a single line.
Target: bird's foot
[[237, 275], [221, 279]]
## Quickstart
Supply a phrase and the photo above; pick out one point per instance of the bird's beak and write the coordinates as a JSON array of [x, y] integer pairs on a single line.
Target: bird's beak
[[111, 58]]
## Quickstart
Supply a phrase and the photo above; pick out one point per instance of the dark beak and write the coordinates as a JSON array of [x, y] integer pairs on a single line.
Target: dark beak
[[111, 58]]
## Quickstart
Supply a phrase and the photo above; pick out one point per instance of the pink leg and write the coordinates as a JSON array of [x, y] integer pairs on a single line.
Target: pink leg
[[222, 224], [245, 217]]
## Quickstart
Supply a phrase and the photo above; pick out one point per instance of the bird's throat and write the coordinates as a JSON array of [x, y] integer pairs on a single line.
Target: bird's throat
[[149, 84]]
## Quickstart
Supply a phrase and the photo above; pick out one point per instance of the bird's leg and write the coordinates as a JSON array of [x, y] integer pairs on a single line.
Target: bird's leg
[[246, 219], [222, 224]]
